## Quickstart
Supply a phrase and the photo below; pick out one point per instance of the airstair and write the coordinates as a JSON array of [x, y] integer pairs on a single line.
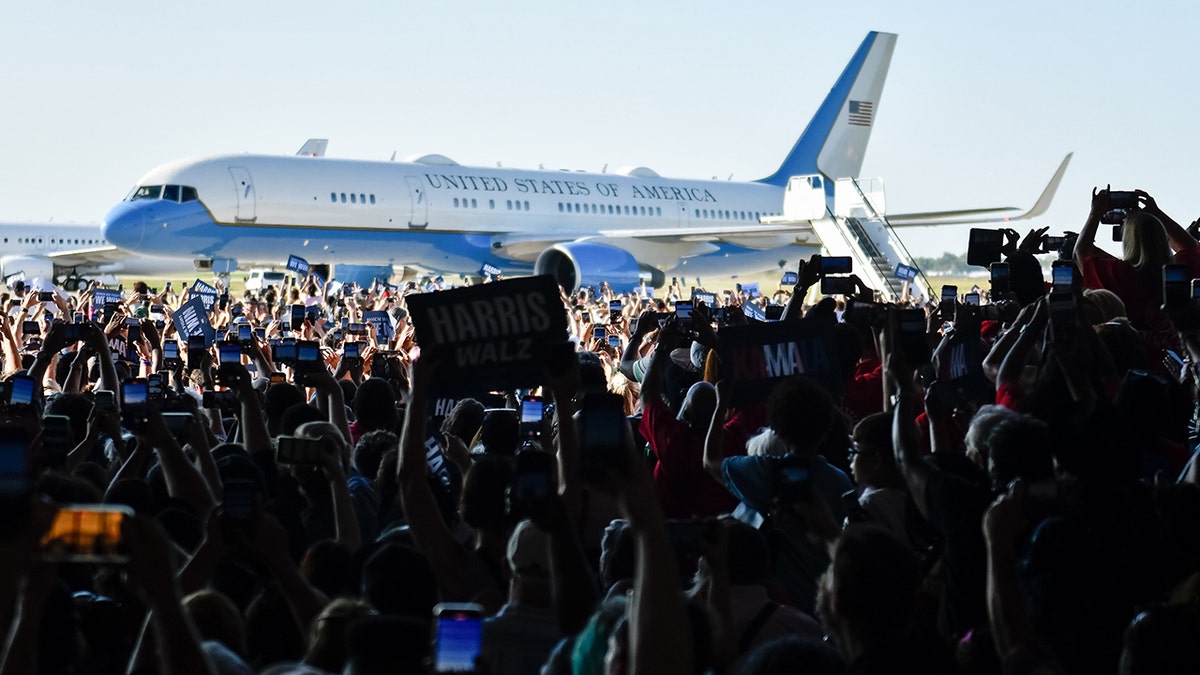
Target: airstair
[[848, 216]]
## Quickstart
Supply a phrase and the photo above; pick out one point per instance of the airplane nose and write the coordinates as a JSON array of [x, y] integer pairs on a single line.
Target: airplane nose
[[125, 225]]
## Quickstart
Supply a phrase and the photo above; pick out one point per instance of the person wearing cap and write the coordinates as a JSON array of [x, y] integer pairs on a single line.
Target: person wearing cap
[[519, 638]]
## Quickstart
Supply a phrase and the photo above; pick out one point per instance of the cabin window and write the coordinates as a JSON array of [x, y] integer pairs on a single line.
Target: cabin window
[[456, 202], [492, 204], [509, 204], [362, 199], [333, 197], [372, 199], [343, 197], [473, 204], [353, 201]]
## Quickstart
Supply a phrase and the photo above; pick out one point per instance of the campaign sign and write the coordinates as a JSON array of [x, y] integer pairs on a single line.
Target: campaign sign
[[207, 294], [383, 323], [753, 311], [755, 357], [297, 264], [489, 271], [789, 279], [905, 272], [709, 299], [100, 296], [960, 366], [751, 289], [192, 319], [493, 336]]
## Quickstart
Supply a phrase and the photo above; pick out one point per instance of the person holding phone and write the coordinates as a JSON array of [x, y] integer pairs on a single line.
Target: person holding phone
[[1150, 239]]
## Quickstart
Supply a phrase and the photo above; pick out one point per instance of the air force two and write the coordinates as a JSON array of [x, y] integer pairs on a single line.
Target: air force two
[[371, 218]]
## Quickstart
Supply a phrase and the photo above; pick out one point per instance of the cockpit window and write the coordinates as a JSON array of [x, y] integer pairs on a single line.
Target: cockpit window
[[171, 193], [189, 194], [147, 192]]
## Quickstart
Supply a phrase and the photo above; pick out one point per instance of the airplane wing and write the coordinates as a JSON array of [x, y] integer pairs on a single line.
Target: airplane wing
[[100, 255], [971, 216]]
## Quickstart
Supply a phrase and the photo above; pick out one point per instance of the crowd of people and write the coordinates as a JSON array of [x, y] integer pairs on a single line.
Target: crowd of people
[[1011, 488]]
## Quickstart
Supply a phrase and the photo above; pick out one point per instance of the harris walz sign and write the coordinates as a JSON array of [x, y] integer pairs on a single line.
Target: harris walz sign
[[493, 336], [755, 357]]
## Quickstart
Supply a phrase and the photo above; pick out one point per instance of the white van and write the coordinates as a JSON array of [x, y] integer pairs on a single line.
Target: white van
[[259, 279]]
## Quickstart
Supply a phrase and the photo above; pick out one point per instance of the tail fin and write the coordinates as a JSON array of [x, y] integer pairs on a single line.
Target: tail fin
[[835, 140]]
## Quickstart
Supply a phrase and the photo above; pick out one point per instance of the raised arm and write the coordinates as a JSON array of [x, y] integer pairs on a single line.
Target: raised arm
[[1085, 243], [1178, 236], [906, 437]]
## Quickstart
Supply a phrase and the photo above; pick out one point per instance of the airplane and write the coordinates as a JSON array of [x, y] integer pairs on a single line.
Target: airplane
[[372, 218], [71, 253]]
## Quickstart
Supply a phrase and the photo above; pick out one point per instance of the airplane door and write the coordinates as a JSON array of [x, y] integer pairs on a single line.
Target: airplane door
[[246, 198], [420, 202], [684, 217]]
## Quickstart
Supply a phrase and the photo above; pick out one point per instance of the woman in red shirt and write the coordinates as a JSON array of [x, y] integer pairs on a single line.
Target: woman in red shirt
[[1149, 240]]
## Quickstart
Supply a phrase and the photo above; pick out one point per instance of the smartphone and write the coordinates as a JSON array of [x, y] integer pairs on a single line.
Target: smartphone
[[1062, 275], [14, 476], [1195, 289], [104, 400], [683, 310], [245, 333], [1175, 285], [1001, 278], [602, 426], [297, 316], [134, 394], [88, 533], [356, 328], [532, 409], [614, 341], [45, 296], [308, 352], [1062, 317], [237, 502], [170, 352], [229, 353], [614, 306], [837, 285], [984, 246], [949, 301], [458, 636], [585, 317], [972, 299], [774, 312], [58, 439], [179, 424], [532, 485], [599, 332], [350, 351], [910, 336], [20, 390], [196, 347], [296, 450], [840, 264], [1052, 244]]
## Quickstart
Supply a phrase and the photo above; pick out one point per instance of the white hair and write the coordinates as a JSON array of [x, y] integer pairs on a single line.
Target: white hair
[[766, 443]]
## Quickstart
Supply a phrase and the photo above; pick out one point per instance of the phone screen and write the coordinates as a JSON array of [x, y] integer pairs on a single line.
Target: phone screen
[[531, 410], [14, 461], [134, 394], [297, 315], [88, 533], [1062, 276], [459, 635], [350, 350], [22, 390], [308, 352], [972, 299], [836, 265], [683, 309], [949, 293], [245, 332], [602, 425], [230, 353], [196, 343], [170, 350], [614, 341], [614, 306], [599, 332]]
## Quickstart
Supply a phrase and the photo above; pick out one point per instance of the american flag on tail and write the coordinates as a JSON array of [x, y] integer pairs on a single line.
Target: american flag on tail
[[860, 113]]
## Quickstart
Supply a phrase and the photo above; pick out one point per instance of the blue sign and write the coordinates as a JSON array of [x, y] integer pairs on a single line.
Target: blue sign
[[905, 272], [192, 319], [790, 279], [489, 271], [297, 264], [753, 311], [751, 289], [207, 294], [383, 323]]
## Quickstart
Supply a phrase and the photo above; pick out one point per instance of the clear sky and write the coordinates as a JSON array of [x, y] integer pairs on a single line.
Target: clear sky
[[981, 103]]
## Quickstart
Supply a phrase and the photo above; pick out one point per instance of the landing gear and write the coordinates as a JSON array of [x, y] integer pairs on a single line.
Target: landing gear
[[74, 283]]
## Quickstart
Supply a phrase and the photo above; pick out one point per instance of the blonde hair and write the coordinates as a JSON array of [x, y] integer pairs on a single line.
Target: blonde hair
[[1101, 305], [1144, 242]]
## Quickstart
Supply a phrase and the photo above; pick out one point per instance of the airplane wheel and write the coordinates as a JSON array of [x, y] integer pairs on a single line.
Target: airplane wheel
[[71, 284]]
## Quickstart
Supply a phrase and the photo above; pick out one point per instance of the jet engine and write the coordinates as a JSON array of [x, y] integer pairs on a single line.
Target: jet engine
[[30, 266], [578, 264]]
